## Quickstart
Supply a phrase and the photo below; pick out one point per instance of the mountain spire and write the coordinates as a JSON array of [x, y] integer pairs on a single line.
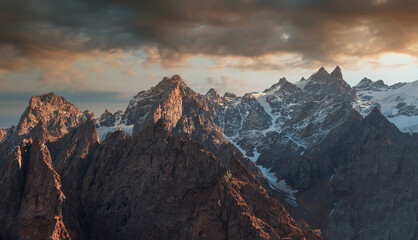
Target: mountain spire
[[337, 73]]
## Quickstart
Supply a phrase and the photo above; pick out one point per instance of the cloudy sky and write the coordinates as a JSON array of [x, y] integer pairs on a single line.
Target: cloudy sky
[[99, 53]]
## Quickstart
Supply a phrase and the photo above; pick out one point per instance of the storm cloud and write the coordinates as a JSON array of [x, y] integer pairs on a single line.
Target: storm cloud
[[316, 31]]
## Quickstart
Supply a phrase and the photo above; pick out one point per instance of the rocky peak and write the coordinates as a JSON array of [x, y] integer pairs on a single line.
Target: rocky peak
[[321, 72], [364, 82], [212, 92], [107, 119], [49, 98], [164, 100], [368, 85], [337, 74], [281, 82], [320, 76], [89, 115], [398, 85], [230, 95], [213, 97], [377, 120], [170, 83], [58, 115], [321, 84], [118, 113]]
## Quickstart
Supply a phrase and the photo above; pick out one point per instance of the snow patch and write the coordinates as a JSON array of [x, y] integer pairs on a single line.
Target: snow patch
[[394, 104], [103, 131], [407, 124], [272, 180]]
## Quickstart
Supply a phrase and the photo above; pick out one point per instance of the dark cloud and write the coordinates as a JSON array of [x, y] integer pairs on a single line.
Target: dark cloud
[[317, 30]]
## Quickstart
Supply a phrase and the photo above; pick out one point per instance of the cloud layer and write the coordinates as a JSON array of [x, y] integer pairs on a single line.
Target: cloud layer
[[314, 31]]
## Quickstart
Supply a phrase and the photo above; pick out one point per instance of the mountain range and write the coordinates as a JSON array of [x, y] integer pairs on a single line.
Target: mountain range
[[306, 160]]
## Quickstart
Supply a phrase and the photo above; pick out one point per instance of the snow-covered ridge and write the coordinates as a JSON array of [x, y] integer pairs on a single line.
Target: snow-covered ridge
[[398, 103], [109, 122]]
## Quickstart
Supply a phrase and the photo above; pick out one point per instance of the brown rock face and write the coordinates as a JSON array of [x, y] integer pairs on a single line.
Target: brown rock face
[[40, 185], [58, 116], [157, 186], [40, 213]]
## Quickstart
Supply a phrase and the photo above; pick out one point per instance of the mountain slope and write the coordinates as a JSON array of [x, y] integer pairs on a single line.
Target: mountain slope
[[375, 184], [398, 102], [304, 150], [170, 187]]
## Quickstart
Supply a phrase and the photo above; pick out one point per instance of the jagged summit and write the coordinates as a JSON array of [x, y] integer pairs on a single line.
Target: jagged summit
[[364, 81], [230, 95], [213, 95], [337, 74], [167, 90], [89, 115], [107, 119], [49, 98], [58, 115], [176, 80], [323, 75], [211, 92], [322, 71], [281, 82], [367, 84], [322, 84]]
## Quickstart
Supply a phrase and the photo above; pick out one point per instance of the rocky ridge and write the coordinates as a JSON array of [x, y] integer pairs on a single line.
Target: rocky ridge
[[55, 187], [289, 130]]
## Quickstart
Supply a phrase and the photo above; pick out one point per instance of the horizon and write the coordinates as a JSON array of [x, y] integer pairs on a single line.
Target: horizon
[[114, 101]]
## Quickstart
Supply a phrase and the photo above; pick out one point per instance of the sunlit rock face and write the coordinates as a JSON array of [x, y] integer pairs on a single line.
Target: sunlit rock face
[[3, 133], [185, 112], [57, 115]]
